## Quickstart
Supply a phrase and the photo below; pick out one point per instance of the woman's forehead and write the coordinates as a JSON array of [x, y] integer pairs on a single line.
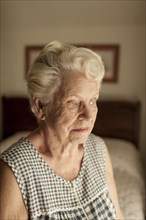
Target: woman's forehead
[[76, 77], [76, 84]]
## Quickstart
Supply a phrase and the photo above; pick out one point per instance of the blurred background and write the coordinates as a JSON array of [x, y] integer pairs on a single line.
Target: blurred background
[[28, 23]]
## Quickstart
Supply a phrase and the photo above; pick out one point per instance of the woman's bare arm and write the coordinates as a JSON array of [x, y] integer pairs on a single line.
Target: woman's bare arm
[[112, 186], [11, 203]]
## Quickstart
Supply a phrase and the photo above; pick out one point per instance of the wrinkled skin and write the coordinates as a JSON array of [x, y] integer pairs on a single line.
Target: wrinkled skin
[[74, 111]]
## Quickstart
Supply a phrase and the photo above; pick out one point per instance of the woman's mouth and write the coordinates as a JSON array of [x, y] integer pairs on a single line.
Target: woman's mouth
[[80, 130]]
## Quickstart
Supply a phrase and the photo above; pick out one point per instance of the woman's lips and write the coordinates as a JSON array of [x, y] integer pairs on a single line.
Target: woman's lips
[[80, 129]]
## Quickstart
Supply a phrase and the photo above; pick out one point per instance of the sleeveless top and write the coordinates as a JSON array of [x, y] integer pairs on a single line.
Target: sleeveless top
[[47, 196]]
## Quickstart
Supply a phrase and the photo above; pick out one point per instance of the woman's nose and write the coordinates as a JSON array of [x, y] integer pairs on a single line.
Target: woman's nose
[[86, 113]]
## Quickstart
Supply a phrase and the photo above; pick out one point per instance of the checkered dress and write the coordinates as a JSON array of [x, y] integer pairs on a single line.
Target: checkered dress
[[47, 196]]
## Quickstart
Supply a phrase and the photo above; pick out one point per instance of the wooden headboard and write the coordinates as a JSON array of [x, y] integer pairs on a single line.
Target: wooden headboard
[[116, 119]]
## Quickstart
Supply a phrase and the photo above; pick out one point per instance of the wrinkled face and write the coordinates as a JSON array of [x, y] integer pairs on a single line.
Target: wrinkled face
[[74, 111]]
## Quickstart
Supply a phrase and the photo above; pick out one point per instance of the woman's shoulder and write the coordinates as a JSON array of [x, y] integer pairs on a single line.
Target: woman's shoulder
[[95, 140], [11, 201], [16, 152], [95, 147]]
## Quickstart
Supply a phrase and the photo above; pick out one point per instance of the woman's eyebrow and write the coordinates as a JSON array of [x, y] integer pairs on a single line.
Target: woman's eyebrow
[[96, 94]]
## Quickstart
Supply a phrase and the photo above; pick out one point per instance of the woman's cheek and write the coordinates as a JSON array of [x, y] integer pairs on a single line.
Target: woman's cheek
[[60, 116], [67, 119], [94, 116]]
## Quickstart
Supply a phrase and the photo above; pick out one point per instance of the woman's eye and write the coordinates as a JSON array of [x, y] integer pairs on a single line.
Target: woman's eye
[[92, 102], [72, 104]]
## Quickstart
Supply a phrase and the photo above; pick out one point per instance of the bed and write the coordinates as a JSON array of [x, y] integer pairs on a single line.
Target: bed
[[118, 123]]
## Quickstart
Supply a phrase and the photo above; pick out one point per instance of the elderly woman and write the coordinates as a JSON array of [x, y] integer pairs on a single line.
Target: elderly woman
[[61, 171]]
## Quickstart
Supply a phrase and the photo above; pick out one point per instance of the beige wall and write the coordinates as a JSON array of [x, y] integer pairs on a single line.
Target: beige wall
[[131, 38]]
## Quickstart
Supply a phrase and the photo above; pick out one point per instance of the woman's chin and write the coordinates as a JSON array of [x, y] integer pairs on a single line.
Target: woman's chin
[[79, 138]]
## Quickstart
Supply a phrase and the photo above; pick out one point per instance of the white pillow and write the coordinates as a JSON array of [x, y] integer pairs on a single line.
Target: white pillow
[[12, 139]]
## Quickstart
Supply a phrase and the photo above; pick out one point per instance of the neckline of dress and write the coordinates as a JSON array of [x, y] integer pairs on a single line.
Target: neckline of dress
[[56, 175]]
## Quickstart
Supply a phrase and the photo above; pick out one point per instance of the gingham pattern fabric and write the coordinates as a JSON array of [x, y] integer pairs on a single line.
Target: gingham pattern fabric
[[47, 196]]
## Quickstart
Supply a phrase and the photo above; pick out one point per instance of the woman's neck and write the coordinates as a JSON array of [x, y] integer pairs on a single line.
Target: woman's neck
[[47, 143]]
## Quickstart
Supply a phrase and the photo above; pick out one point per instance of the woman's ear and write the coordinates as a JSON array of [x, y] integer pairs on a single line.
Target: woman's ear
[[39, 108]]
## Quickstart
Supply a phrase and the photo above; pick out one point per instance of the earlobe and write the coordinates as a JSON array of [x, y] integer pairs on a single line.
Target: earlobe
[[42, 117]]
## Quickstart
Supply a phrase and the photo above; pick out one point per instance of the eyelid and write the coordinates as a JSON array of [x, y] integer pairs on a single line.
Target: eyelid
[[94, 99], [71, 101], [72, 104]]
